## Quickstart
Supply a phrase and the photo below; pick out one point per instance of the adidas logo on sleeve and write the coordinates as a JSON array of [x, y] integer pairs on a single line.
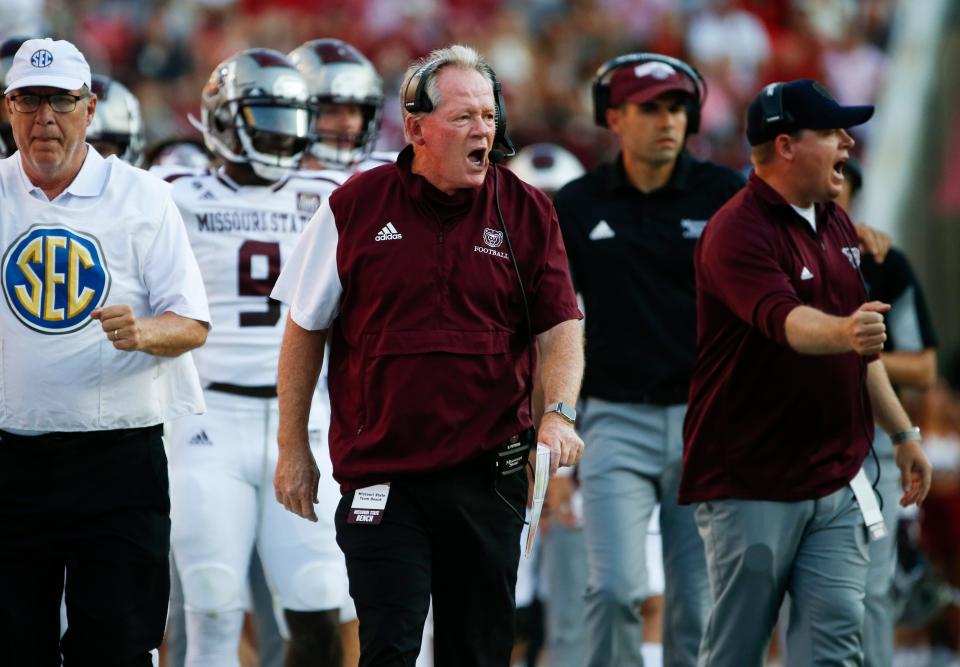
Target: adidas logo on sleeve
[[388, 233]]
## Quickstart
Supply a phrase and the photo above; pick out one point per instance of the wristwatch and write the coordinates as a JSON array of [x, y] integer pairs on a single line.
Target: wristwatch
[[912, 433], [564, 410]]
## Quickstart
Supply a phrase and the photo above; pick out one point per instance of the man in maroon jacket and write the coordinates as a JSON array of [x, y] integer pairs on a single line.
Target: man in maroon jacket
[[417, 279], [785, 391]]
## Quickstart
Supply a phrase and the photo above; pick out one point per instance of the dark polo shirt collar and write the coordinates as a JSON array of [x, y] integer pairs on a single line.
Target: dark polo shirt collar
[[679, 179]]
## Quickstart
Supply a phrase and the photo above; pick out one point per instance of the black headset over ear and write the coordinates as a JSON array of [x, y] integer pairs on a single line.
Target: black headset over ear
[[601, 85], [416, 100], [771, 105]]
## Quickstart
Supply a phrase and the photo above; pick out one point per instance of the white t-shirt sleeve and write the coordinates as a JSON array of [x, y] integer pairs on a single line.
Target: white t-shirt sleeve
[[170, 270], [310, 282]]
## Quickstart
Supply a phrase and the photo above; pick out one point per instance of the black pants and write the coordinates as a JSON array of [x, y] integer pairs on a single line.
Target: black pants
[[450, 535], [92, 508]]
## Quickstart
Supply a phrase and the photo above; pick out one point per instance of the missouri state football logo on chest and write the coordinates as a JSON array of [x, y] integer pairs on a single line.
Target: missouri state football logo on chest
[[54, 277]]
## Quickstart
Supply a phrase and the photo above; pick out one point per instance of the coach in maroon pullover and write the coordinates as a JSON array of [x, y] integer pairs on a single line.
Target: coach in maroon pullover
[[409, 270], [784, 393]]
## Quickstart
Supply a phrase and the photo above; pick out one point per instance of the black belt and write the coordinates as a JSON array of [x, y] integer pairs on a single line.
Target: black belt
[[264, 391], [67, 436], [669, 395]]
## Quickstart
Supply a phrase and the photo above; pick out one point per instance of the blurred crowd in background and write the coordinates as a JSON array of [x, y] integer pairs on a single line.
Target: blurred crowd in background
[[546, 52]]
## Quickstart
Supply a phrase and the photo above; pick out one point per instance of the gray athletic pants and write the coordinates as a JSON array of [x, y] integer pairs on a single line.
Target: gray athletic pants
[[632, 459], [879, 620], [757, 551], [564, 562]]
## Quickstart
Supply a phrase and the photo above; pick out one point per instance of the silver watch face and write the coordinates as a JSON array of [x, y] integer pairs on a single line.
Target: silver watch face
[[565, 410]]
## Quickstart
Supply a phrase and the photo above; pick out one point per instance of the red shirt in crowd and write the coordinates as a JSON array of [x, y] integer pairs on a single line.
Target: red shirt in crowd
[[764, 421], [429, 353]]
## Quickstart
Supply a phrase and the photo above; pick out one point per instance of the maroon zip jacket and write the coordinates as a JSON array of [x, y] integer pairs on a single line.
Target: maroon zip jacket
[[429, 352], [766, 422]]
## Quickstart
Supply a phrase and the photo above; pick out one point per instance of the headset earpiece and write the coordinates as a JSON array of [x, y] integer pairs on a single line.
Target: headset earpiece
[[415, 98], [771, 105], [601, 85], [502, 146]]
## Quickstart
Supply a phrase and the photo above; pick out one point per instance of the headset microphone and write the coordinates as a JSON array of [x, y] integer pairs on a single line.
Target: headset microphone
[[499, 155]]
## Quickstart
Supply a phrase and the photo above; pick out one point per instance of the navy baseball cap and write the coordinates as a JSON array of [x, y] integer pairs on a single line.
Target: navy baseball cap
[[804, 104]]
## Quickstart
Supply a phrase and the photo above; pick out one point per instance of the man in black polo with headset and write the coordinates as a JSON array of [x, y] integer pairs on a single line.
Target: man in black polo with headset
[[630, 227]]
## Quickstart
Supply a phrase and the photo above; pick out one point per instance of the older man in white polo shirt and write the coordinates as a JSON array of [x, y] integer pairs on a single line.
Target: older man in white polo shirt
[[102, 297]]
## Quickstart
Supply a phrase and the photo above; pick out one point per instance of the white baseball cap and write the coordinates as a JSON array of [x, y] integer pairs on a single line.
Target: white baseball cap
[[47, 62]]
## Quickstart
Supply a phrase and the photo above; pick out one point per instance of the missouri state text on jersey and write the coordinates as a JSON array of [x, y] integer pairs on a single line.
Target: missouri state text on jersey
[[219, 204], [242, 236], [249, 222]]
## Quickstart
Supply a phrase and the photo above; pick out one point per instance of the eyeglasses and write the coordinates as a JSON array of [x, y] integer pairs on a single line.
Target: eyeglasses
[[59, 102]]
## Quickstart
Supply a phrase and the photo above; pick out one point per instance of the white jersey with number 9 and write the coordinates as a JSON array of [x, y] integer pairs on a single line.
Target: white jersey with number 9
[[241, 236]]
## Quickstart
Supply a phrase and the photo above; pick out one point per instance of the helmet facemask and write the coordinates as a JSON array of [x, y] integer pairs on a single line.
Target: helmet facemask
[[243, 123], [334, 147], [273, 134]]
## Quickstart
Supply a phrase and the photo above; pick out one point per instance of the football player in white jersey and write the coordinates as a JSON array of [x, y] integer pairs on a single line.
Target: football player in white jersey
[[346, 95], [243, 220]]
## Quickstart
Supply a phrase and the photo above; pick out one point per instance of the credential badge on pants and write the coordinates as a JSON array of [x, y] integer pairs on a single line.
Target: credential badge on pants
[[512, 456], [369, 504]]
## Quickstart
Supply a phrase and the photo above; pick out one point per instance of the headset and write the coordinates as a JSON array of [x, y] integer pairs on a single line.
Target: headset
[[416, 100], [601, 85], [771, 105]]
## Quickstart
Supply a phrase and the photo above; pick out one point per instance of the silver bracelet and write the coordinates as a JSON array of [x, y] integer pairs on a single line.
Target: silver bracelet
[[912, 433]]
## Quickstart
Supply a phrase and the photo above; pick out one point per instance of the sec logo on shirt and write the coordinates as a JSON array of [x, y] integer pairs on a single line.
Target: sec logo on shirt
[[53, 278]]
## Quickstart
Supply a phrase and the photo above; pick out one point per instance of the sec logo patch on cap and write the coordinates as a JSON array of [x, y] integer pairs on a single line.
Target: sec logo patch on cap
[[41, 58], [53, 278]]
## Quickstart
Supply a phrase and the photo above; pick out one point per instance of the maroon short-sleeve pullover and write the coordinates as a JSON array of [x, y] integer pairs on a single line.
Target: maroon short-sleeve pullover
[[428, 364], [766, 422]]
